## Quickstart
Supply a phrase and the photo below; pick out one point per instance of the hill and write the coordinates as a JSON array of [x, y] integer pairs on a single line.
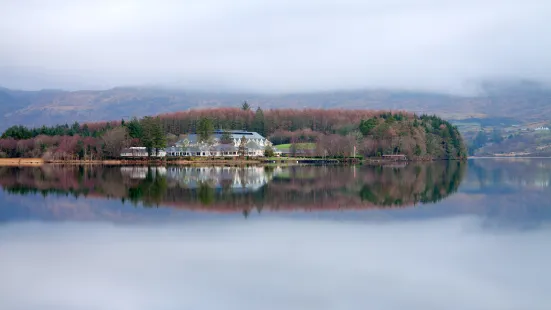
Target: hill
[[519, 102], [336, 133]]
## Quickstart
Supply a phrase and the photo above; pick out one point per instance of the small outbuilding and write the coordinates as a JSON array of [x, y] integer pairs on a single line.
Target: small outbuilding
[[396, 157]]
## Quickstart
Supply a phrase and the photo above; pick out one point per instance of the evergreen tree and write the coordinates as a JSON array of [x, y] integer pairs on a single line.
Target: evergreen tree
[[85, 130], [242, 146], [17, 132], [153, 136], [258, 122], [366, 126], [146, 125], [226, 138], [76, 127], [245, 106], [135, 129], [204, 129], [159, 137]]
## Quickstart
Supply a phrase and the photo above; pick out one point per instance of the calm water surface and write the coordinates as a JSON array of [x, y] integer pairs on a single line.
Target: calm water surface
[[474, 235]]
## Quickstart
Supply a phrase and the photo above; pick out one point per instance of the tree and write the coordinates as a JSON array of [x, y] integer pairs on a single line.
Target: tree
[[76, 127], [226, 138], [367, 126], [269, 151], [135, 129], [81, 151], [85, 130], [153, 136], [242, 146], [114, 141], [171, 139], [245, 106], [159, 137], [417, 150], [293, 149], [204, 129], [258, 122], [17, 132]]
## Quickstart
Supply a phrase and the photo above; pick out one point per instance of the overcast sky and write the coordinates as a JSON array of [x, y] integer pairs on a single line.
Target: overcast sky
[[273, 45]]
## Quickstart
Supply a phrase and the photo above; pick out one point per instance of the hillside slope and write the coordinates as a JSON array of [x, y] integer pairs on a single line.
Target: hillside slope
[[34, 108], [335, 132]]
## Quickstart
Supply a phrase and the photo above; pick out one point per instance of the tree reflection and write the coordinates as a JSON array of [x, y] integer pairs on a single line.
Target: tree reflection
[[206, 193], [241, 189]]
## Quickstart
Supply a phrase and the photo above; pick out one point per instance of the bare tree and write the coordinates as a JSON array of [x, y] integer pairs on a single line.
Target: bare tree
[[114, 141]]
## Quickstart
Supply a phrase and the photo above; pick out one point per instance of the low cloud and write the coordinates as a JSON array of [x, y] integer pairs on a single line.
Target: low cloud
[[274, 46]]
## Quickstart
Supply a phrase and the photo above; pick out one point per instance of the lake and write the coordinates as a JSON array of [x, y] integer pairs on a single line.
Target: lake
[[443, 235]]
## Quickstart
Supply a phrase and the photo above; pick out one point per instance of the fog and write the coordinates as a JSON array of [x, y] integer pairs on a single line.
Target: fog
[[273, 46], [274, 264]]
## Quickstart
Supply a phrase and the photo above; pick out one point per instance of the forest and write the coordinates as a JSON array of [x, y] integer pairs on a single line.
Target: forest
[[334, 132]]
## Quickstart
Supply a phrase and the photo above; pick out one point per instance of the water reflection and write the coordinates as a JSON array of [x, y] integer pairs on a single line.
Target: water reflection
[[512, 172], [245, 188], [361, 247]]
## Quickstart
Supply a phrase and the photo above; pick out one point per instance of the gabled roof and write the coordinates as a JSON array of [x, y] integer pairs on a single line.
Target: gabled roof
[[226, 148], [217, 134], [217, 148], [253, 145]]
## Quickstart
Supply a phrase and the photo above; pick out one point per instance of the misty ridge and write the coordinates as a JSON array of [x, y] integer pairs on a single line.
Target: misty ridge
[[117, 59], [521, 101]]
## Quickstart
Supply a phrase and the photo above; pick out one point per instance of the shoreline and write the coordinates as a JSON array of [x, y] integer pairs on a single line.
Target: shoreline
[[508, 157], [122, 162], [21, 161], [233, 161]]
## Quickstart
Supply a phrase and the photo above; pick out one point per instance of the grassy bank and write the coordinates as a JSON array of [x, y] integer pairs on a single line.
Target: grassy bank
[[299, 146]]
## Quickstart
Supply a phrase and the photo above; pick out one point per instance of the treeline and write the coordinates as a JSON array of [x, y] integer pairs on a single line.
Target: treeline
[[85, 130], [334, 133], [82, 142]]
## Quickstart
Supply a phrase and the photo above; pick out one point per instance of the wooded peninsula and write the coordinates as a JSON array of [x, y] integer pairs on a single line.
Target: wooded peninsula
[[332, 133]]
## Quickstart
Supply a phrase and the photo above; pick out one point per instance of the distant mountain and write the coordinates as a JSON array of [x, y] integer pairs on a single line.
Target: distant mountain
[[520, 102]]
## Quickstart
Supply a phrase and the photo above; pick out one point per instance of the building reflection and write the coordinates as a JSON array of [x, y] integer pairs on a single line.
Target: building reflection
[[139, 172], [238, 179]]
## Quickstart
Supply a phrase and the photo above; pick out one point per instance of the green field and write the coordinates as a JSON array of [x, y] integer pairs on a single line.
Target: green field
[[300, 146]]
